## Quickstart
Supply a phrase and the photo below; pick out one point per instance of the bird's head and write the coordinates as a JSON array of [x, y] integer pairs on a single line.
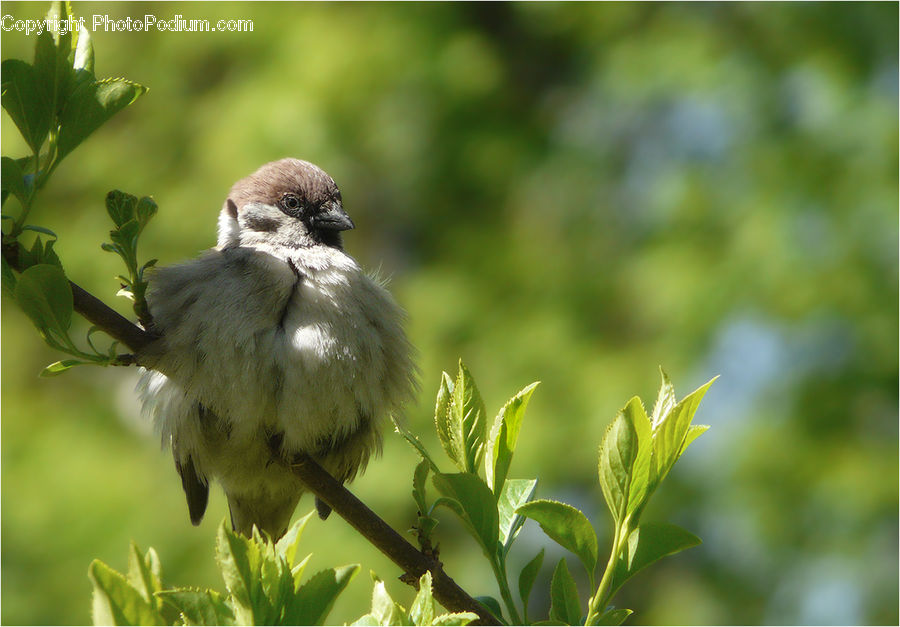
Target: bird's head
[[290, 203]]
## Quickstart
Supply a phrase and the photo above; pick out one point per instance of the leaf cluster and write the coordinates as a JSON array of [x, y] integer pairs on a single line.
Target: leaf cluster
[[56, 103], [635, 455], [130, 215], [264, 587], [423, 611]]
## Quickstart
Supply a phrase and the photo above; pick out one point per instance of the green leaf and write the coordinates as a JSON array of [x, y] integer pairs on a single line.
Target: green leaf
[[503, 438], [455, 619], [52, 68], [238, 560], [568, 527], [420, 475], [564, 604], [617, 454], [474, 503], [414, 441], [12, 179], [288, 543], [84, 51], [273, 585], [199, 607], [121, 206], [116, 602], [26, 100], [146, 209], [665, 400], [40, 229], [527, 577], [8, 280], [670, 433], [460, 419], [613, 616], [640, 472], [422, 609], [694, 432], [297, 571], [59, 367], [646, 544], [89, 106], [141, 576], [442, 417], [468, 419], [60, 12], [384, 610], [492, 605], [44, 294], [516, 492], [314, 600], [49, 255]]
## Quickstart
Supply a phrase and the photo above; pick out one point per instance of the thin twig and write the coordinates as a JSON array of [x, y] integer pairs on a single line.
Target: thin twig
[[316, 478]]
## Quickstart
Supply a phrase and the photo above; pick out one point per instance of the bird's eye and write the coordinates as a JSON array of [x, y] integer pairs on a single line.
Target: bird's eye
[[290, 202]]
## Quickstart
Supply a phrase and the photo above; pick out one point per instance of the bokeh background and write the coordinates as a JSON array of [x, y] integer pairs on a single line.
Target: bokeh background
[[571, 193]]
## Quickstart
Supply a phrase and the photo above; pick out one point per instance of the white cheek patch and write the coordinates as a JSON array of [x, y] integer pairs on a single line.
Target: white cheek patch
[[229, 230]]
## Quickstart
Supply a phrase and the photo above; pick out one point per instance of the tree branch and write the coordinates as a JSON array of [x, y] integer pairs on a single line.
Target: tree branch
[[316, 478]]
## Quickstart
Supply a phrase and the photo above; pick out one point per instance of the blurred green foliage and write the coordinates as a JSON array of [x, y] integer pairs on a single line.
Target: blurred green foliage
[[569, 193]]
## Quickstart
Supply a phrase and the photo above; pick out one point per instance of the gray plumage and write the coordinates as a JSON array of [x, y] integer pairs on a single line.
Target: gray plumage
[[275, 342]]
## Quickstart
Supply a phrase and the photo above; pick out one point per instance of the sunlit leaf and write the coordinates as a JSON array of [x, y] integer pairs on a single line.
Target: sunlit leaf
[[288, 543], [665, 400], [455, 619], [516, 492], [238, 560], [503, 438], [141, 576], [669, 435], [617, 454], [422, 609], [567, 526], [199, 607], [315, 598], [694, 432], [469, 418], [442, 417], [640, 470], [84, 51], [116, 602], [384, 610], [59, 367], [460, 420]]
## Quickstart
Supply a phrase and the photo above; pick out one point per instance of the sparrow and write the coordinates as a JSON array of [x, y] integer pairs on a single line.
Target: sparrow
[[274, 343]]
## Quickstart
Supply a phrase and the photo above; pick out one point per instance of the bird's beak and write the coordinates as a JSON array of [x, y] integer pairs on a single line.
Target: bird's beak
[[334, 218]]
